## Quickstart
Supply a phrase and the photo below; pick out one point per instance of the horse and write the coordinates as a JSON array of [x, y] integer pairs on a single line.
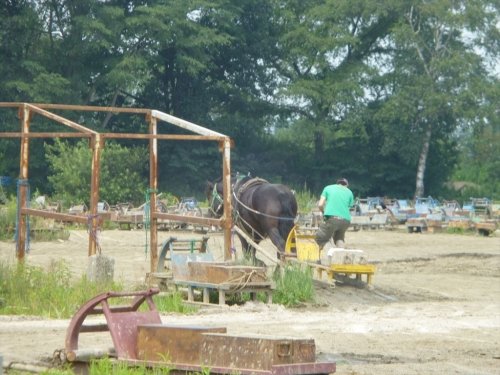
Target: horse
[[260, 209]]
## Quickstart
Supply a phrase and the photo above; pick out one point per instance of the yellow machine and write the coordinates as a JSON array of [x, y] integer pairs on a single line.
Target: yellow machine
[[301, 246]]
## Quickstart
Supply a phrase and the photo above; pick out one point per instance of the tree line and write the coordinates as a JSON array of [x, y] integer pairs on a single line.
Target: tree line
[[400, 97]]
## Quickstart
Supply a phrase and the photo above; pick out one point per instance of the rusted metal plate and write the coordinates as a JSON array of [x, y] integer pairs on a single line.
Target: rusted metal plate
[[121, 321], [175, 344], [255, 352], [123, 329], [219, 273]]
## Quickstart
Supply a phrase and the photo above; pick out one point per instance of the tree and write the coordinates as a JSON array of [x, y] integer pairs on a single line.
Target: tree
[[124, 173], [207, 65], [438, 76], [324, 65], [380, 81]]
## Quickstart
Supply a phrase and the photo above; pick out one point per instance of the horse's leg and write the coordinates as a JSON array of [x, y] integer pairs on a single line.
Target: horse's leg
[[250, 252], [245, 247], [277, 240]]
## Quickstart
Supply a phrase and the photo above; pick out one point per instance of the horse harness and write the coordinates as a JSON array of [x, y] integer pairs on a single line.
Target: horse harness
[[237, 193]]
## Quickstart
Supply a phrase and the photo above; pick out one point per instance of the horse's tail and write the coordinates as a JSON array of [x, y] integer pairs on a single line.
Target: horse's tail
[[288, 213]]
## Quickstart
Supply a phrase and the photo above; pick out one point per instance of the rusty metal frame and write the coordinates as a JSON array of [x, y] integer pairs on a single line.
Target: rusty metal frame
[[97, 143]]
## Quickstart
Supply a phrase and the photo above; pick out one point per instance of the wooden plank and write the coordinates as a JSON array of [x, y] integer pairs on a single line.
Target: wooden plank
[[258, 248], [219, 273], [225, 289]]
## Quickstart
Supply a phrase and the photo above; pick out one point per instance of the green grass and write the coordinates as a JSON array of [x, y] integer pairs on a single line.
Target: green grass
[[294, 285], [51, 293], [106, 366], [173, 303], [306, 201], [8, 215]]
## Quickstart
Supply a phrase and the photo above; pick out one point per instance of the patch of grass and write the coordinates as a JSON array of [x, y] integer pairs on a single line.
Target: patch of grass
[[41, 229], [8, 214], [106, 366], [30, 290], [455, 230], [172, 303], [58, 371], [50, 234], [294, 285], [53, 293], [306, 201]]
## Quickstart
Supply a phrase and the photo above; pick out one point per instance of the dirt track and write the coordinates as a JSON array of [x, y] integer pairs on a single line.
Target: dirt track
[[434, 307]]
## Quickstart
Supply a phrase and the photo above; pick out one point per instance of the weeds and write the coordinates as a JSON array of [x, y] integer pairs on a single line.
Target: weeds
[[294, 285], [172, 303], [30, 290], [8, 214], [306, 201]]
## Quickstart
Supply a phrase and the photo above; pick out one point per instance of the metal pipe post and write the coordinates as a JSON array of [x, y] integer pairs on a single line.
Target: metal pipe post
[[228, 209], [97, 146], [25, 116], [153, 186]]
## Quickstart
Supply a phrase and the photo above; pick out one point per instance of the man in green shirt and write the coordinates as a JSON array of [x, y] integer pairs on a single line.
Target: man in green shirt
[[334, 203]]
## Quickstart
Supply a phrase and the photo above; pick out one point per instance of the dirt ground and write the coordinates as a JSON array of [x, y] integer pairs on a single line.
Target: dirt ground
[[434, 307]]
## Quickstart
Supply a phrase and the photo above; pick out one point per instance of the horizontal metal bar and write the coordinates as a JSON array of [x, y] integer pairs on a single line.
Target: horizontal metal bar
[[94, 328], [185, 124], [44, 135], [70, 107], [55, 215], [175, 137], [59, 119], [188, 219]]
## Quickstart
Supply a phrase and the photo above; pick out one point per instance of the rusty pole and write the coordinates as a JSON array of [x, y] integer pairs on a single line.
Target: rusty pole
[[226, 186], [93, 222], [25, 116], [153, 185]]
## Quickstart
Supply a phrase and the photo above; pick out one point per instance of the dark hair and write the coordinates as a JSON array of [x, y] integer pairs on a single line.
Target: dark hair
[[343, 181]]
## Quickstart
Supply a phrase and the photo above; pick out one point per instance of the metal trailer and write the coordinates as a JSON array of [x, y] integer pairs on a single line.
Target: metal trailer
[[141, 339], [343, 265]]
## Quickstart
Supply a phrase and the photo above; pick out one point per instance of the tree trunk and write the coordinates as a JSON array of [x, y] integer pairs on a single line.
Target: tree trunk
[[422, 162], [319, 144]]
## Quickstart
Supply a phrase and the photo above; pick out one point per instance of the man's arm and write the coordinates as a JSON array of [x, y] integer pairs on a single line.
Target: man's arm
[[321, 204]]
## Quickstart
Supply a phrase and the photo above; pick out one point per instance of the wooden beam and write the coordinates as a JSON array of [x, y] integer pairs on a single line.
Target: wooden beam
[[254, 244], [55, 215]]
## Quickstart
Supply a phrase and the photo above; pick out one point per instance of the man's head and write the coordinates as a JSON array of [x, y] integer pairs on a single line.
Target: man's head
[[343, 181]]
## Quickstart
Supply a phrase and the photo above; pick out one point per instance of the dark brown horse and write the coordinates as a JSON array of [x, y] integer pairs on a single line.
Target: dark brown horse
[[260, 209]]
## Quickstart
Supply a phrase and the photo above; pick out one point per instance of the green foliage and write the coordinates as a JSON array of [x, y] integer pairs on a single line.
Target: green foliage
[[123, 172], [39, 232], [308, 90], [478, 172], [51, 293], [8, 216], [294, 285], [55, 293], [57, 371], [172, 302], [107, 366], [306, 200]]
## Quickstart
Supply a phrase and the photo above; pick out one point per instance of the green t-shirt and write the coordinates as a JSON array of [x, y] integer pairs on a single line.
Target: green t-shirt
[[338, 201]]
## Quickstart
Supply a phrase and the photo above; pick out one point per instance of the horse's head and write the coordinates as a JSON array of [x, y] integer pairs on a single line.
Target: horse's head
[[215, 199], [214, 193]]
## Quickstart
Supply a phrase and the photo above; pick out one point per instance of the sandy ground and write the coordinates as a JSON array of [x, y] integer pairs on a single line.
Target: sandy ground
[[434, 307]]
